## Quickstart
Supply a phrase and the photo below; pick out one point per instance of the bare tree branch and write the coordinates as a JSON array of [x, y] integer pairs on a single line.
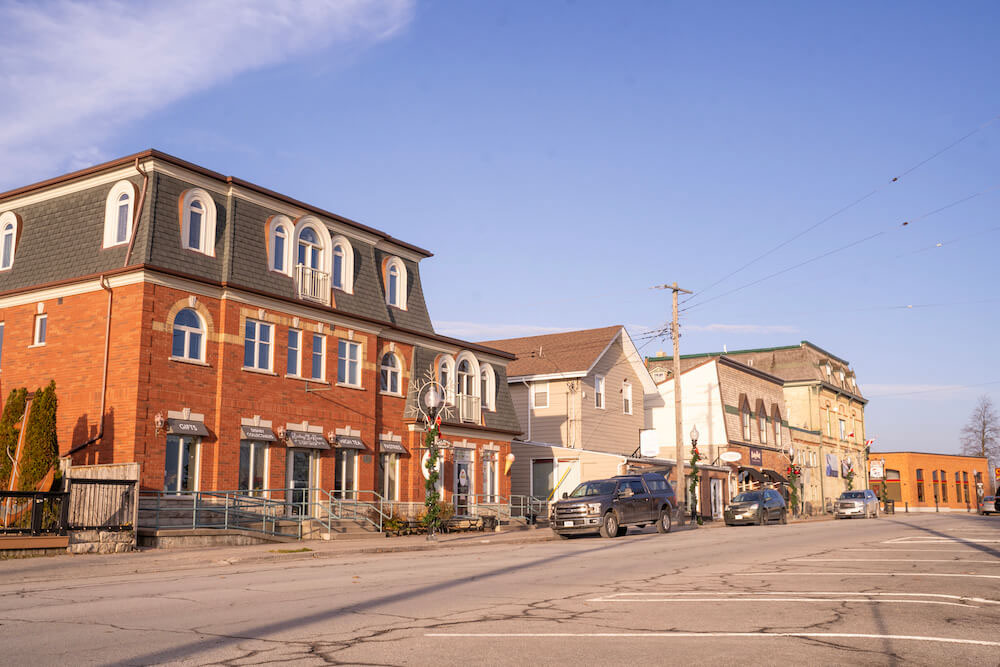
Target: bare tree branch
[[981, 434]]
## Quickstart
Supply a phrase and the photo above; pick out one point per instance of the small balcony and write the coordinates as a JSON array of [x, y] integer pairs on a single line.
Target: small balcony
[[468, 408], [312, 284]]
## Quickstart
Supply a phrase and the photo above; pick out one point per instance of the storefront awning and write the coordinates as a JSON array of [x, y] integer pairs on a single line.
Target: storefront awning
[[259, 433], [751, 473], [391, 447], [186, 427], [349, 442], [774, 477], [307, 440]]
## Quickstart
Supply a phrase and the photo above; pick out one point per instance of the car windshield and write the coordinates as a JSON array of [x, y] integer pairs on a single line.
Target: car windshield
[[593, 489], [852, 495], [747, 497]]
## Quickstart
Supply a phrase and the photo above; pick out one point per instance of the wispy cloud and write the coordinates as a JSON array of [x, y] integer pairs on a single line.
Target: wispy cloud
[[743, 328], [478, 331], [71, 73]]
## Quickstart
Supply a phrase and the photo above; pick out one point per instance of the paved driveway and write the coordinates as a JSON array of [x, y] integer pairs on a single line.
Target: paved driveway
[[920, 589]]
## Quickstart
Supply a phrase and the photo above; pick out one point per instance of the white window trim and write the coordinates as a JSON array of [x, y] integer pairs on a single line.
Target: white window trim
[[600, 392], [396, 458], [312, 354], [474, 366], [208, 220], [627, 406], [348, 264], [256, 341], [9, 219], [360, 362], [196, 443], [488, 401], [288, 257], [448, 362], [313, 223], [398, 370], [298, 354], [200, 359], [396, 263], [37, 329], [111, 213], [534, 393], [267, 465]]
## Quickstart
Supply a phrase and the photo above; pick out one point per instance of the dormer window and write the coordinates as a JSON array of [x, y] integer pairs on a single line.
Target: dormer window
[[488, 387], [118, 214], [342, 264], [9, 224], [446, 377], [279, 254], [198, 222], [395, 283], [312, 257], [310, 252]]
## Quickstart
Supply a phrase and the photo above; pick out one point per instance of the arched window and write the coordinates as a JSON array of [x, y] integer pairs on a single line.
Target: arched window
[[446, 377], [8, 239], [342, 264], [278, 246], [465, 379], [488, 387], [310, 252], [395, 283], [189, 336], [390, 374], [745, 418], [118, 213], [198, 221]]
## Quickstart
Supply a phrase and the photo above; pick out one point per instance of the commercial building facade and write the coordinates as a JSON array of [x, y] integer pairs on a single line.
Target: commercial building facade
[[225, 336], [926, 482]]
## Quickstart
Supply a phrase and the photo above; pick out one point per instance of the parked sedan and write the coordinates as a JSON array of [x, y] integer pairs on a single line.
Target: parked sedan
[[856, 503], [757, 507], [988, 505]]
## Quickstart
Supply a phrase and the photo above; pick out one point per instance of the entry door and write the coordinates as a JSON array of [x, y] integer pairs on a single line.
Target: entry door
[[715, 487], [299, 480], [462, 487]]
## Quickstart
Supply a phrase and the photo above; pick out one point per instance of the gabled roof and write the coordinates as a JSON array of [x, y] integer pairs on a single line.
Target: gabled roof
[[572, 353]]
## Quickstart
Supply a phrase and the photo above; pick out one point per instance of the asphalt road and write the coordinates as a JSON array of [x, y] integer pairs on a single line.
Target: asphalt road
[[909, 589]]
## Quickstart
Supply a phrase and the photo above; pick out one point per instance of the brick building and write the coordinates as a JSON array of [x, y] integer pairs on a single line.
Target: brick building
[[225, 336], [926, 482]]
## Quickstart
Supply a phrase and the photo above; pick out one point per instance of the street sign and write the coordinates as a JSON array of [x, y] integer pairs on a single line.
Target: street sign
[[731, 457]]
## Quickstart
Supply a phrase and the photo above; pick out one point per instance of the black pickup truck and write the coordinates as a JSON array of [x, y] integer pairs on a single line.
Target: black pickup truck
[[610, 506]]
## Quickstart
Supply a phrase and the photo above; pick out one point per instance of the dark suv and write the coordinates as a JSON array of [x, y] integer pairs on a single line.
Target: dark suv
[[610, 506]]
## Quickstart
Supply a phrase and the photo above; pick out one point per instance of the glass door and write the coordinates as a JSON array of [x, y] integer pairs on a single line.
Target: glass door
[[463, 486], [180, 473], [716, 488], [299, 480]]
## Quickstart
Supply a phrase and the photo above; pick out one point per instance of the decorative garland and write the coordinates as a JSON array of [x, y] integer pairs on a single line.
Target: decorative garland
[[695, 478], [432, 518]]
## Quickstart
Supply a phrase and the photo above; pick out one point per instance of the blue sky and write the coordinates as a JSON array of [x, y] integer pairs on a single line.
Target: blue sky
[[561, 158]]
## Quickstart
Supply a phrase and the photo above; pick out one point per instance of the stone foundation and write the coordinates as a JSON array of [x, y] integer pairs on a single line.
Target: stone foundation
[[101, 542]]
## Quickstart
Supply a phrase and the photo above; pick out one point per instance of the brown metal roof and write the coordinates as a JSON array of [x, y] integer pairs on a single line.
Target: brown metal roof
[[569, 352]]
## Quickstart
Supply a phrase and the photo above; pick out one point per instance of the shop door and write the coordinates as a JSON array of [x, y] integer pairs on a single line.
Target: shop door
[[299, 480], [715, 487], [462, 487]]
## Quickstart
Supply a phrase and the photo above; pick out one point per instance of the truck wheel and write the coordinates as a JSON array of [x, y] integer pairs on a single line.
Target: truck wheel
[[610, 526], [663, 524]]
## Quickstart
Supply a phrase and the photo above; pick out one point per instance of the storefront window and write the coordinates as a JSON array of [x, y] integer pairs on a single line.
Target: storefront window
[[345, 482], [181, 465], [920, 485], [543, 473], [253, 466], [390, 469], [489, 477]]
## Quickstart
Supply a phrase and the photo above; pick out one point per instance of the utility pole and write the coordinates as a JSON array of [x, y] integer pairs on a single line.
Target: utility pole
[[679, 487]]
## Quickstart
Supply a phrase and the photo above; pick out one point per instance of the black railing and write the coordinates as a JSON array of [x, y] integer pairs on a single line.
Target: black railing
[[30, 513]]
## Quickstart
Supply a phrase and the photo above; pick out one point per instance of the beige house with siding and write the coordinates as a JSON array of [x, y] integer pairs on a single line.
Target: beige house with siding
[[579, 396]]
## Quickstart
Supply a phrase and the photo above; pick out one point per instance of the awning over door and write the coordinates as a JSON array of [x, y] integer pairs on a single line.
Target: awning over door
[[307, 440], [186, 427], [261, 433], [751, 473], [349, 442], [774, 477], [391, 447]]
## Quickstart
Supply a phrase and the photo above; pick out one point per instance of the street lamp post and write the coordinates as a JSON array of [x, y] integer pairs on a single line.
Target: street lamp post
[[430, 406], [694, 474]]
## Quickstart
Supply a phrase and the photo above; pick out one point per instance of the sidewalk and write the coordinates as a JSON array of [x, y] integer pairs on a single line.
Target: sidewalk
[[145, 561]]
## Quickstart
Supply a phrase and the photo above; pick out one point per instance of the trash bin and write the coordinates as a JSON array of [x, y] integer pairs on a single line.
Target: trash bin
[[890, 507]]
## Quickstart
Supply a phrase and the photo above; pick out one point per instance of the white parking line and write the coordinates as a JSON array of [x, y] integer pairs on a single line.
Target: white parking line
[[922, 539], [866, 593], [861, 574], [968, 550], [699, 635], [746, 599], [889, 560]]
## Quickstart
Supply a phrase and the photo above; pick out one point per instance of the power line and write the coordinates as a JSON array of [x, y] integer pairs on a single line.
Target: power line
[[936, 389], [854, 203]]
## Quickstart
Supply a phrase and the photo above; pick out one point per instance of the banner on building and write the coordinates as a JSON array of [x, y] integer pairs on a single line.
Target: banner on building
[[756, 458], [876, 469], [832, 466]]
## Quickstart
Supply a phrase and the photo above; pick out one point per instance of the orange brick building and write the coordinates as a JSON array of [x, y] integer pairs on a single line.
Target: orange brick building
[[227, 337], [929, 482]]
